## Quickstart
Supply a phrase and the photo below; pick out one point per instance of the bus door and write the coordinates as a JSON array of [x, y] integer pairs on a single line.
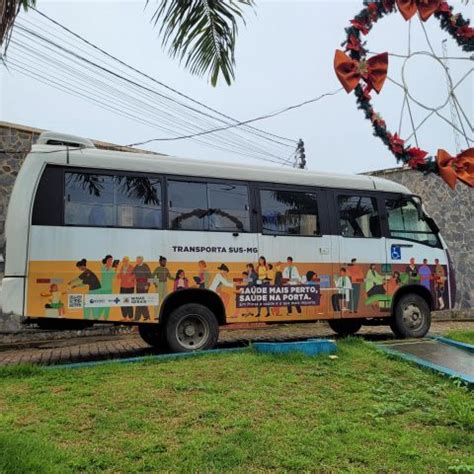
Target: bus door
[[359, 281], [415, 254], [296, 245]]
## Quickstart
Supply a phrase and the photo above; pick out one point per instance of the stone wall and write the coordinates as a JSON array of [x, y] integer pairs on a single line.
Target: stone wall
[[15, 143], [453, 211]]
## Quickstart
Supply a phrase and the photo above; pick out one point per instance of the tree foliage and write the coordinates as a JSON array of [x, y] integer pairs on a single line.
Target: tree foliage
[[201, 33], [9, 10]]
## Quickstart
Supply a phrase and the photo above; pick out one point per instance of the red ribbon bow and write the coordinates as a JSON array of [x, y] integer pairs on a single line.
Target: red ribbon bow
[[350, 72], [425, 7], [458, 167]]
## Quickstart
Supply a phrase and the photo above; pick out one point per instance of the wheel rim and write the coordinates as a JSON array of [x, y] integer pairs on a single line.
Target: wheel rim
[[192, 331], [413, 316]]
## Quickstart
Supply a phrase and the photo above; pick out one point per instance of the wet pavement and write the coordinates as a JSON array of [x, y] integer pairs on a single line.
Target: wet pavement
[[455, 359]]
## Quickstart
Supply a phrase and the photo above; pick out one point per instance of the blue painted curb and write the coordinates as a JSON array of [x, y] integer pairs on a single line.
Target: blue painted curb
[[130, 360], [452, 342], [434, 367], [311, 347]]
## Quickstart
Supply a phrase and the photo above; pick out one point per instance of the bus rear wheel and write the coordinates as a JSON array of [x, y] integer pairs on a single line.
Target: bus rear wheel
[[412, 317], [191, 327], [153, 335], [345, 327]]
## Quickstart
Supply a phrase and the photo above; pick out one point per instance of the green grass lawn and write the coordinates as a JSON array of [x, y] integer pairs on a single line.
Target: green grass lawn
[[462, 336], [363, 412]]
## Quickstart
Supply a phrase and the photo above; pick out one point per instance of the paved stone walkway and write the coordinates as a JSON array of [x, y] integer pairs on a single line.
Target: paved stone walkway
[[131, 345]]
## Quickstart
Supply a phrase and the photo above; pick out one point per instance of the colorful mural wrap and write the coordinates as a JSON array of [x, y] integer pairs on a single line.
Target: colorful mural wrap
[[132, 290]]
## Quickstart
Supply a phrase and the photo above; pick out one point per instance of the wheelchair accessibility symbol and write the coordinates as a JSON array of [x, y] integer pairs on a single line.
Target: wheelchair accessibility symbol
[[396, 252]]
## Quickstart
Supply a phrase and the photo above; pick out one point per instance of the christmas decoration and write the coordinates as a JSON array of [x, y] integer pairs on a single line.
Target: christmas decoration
[[354, 66]]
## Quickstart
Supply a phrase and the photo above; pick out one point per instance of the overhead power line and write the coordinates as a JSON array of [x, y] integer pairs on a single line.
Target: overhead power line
[[46, 43], [99, 90], [288, 140], [80, 68], [31, 41], [245, 122]]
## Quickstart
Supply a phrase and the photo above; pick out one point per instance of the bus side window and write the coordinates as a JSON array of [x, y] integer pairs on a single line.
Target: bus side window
[[208, 206], [289, 213], [358, 216], [112, 201]]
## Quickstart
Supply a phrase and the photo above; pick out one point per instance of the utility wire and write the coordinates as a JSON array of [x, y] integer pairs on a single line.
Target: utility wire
[[78, 57], [103, 71], [245, 122], [30, 72], [40, 60], [137, 105], [288, 140]]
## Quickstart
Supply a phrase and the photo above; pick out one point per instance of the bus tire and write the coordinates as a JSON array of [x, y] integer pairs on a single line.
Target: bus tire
[[153, 335], [394, 328], [191, 327], [412, 317], [345, 327]]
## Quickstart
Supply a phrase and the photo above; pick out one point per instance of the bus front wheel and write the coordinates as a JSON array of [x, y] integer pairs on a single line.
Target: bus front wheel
[[345, 327], [412, 317], [191, 327]]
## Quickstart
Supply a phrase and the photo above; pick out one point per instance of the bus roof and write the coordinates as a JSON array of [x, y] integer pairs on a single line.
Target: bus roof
[[165, 164]]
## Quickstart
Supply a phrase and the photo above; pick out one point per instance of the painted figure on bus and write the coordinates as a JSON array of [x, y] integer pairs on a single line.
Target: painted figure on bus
[[425, 274], [220, 281], [439, 283], [412, 272], [262, 268], [160, 277], [291, 276], [203, 278], [394, 283], [263, 280], [278, 280], [180, 282], [126, 279], [250, 275], [142, 275], [343, 295], [108, 271], [312, 278], [356, 275], [270, 274], [250, 278], [88, 279], [55, 305], [374, 287], [374, 282]]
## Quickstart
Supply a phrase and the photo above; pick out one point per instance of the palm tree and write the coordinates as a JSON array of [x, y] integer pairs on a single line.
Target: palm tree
[[201, 33], [9, 10]]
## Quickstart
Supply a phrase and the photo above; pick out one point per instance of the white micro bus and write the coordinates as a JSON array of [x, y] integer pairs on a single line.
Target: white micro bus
[[181, 247]]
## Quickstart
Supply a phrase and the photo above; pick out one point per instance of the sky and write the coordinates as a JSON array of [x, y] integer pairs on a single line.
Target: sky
[[284, 56]]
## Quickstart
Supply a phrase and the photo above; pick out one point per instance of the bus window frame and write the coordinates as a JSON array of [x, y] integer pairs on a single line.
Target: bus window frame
[[109, 172], [362, 193], [321, 207], [200, 179], [384, 196]]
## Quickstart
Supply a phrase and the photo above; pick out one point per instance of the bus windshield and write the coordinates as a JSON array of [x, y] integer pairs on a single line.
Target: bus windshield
[[406, 220]]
